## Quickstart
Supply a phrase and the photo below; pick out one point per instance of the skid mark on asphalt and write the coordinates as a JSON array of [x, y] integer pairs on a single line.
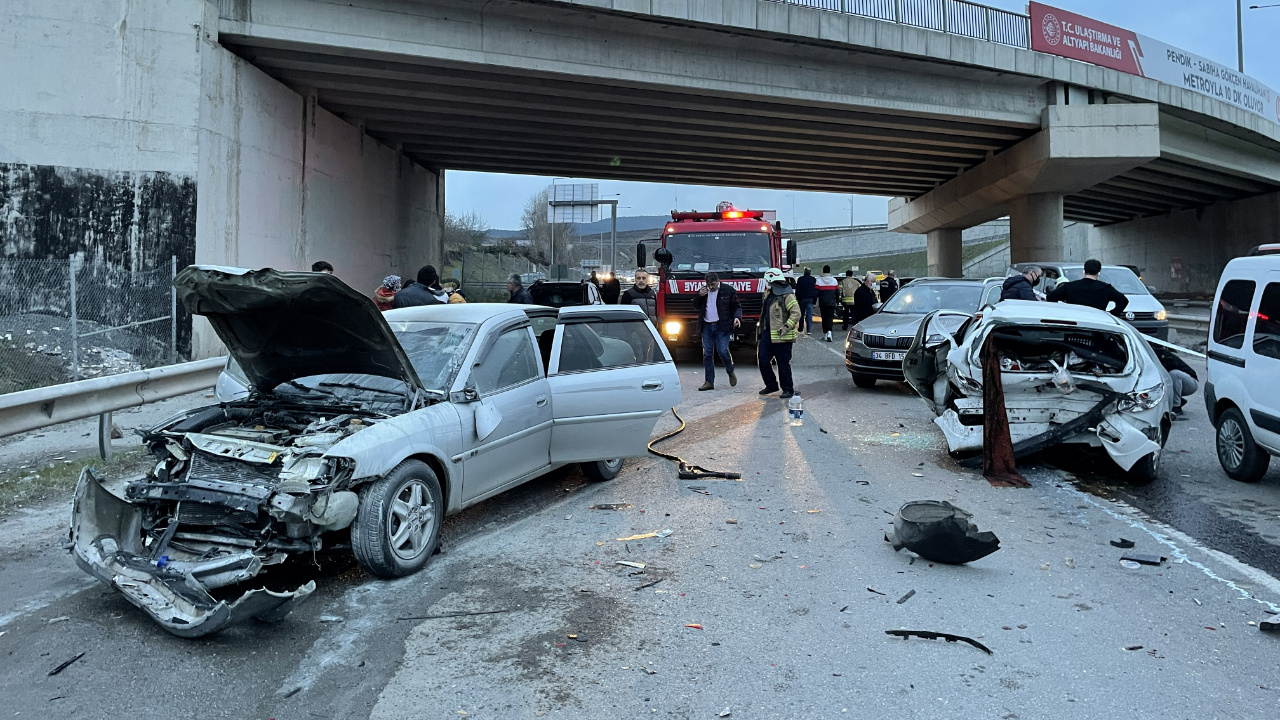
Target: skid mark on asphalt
[[1171, 538]]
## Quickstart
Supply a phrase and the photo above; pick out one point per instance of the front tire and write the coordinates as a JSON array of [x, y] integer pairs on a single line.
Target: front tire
[[863, 381], [602, 470], [1238, 454], [397, 527]]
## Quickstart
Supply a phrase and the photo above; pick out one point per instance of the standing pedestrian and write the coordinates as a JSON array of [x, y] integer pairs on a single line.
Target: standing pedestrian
[[642, 295], [454, 290], [828, 298], [385, 295], [322, 266], [848, 290], [864, 299], [888, 286], [721, 313], [806, 293], [1090, 291], [611, 290], [1021, 287], [591, 291], [426, 291], [519, 295], [781, 322]]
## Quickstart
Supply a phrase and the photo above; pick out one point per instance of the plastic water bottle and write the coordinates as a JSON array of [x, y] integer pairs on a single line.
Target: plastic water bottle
[[795, 408]]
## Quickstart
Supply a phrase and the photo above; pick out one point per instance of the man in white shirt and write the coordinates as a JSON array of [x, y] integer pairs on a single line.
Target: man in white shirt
[[721, 313]]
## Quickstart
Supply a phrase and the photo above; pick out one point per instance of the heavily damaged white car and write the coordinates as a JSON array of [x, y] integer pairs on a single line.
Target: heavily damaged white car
[[1070, 374], [357, 429]]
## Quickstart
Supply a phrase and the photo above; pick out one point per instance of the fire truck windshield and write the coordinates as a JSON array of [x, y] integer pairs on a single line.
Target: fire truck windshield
[[719, 252]]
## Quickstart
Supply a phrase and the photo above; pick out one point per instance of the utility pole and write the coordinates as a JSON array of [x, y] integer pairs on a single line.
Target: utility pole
[[1240, 32]]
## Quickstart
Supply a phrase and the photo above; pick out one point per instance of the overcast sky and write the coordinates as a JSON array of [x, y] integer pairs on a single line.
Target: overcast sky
[[1204, 27]]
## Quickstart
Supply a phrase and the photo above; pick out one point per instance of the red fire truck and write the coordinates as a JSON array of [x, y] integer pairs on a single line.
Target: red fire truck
[[737, 245]]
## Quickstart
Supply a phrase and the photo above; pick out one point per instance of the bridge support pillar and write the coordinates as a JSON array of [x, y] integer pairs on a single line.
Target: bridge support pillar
[[943, 252], [1035, 228]]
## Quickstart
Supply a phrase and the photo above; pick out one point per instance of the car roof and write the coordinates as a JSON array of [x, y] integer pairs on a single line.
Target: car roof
[[1069, 265], [455, 312], [915, 281], [1251, 263], [1035, 312]]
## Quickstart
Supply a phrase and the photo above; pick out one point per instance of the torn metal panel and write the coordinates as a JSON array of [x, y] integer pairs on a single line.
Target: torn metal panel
[[107, 541]]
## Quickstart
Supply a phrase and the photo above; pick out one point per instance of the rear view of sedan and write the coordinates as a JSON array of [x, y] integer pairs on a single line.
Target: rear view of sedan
[[875, 348]]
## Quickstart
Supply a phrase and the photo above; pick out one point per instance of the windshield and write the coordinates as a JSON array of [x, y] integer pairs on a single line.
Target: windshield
[[920, 298], [1120, 278], [719, 252], [435, 349]]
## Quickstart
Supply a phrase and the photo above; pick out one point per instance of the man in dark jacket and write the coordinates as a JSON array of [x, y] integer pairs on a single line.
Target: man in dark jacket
[[721, 313], [806, 293], [1090, 291], [611, 290], [888, 286], [643, 295], [1021, 287], [426, 291], [519, 295]]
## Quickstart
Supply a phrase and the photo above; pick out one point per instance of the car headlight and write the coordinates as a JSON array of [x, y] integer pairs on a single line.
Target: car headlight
[[1142, 399], [855, 334], [1162, 314], [673, 327]]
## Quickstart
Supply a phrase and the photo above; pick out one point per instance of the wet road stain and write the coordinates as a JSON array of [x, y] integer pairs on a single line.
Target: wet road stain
[[1170, 504]]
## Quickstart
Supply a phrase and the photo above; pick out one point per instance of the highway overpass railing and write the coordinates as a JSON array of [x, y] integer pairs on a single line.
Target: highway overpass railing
[[957, 17]]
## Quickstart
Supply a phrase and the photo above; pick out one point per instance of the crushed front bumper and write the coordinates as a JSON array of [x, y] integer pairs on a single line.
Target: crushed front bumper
[[106, 540]]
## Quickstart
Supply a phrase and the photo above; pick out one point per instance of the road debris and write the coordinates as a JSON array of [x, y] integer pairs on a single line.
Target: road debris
[[610, 506], [650, 584], [64, 665], [1134, 647], [906, 597], [1122, 543], [812, 511], [628, 563], [1071, 563], [941, 532], [452, 615], [329, 619], [731, 521], [871, 589], [724, 713], [917, 474], [60, 618], [930, 635], [695, 626], [1129, 565], [639, 537], [1143, 559], [1270, 625], [293, 692]]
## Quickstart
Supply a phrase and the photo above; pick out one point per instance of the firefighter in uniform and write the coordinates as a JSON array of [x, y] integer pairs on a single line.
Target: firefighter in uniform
[[780, 325]]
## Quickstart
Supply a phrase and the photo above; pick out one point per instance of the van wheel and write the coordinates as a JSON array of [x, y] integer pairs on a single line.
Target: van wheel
[[397, 527], [602, 470], [863, 381], [1239, 455]]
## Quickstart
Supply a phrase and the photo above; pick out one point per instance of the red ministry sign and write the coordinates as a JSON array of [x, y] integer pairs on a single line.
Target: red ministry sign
[[1059, 32]]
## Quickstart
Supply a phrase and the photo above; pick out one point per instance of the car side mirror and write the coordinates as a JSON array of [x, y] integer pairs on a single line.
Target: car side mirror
[[468, 394], [1152, 289], [642, 255], [793, 251], [877, 306], [663, 256]]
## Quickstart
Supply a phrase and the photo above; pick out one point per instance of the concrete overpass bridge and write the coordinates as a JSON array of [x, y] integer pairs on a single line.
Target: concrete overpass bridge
[[788, 95], [309, 129]]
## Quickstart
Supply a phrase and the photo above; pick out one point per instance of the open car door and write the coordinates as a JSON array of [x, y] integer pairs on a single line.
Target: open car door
[[611, 378], [925, 366]]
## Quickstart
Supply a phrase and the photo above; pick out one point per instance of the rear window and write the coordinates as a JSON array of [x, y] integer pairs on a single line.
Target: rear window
[[1266, 333], [600, 345], [1232, 314]]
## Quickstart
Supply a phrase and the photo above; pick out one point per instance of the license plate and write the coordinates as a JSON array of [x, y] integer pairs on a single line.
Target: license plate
[[898, 356]]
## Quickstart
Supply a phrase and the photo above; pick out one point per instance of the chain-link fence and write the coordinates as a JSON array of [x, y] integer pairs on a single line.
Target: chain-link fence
[[483, 274], [63, 320]]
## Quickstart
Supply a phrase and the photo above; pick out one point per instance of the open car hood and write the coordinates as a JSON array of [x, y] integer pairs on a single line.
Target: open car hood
[[280, 326]]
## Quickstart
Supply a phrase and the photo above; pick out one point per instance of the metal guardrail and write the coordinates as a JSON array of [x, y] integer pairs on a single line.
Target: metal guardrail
[[42, 407], [1191, 325], [955, 17]]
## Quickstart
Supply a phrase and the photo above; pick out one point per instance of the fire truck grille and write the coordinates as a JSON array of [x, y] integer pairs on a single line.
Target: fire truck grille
[[682, 305]]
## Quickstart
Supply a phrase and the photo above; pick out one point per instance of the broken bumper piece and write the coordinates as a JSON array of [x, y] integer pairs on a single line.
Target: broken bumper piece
[[106, 539]]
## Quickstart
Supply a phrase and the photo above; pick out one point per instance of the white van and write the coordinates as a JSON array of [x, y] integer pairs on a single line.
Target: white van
[[1240, 390]]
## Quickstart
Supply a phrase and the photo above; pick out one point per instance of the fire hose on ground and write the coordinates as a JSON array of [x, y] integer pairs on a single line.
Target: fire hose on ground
[[687, 471]]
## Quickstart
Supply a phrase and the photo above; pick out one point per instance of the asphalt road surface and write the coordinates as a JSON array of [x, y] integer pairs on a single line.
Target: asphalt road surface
[[772, 594]]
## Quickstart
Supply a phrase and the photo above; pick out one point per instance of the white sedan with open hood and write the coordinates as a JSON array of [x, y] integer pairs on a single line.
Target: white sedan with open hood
[[1070, 374], [357, 429]]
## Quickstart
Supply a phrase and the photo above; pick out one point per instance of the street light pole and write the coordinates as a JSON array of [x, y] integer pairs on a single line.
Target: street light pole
[[1240, 32]]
